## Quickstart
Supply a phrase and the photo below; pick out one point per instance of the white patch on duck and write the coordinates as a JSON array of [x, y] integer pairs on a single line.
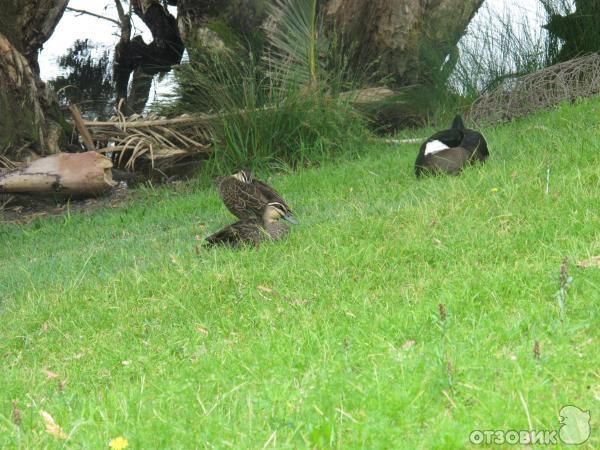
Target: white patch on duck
[[434, 147], [239, 176]]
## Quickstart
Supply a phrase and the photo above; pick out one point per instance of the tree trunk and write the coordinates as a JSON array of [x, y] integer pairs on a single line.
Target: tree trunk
[[411, 44], [30, 120], [134, 56], [408, 40]]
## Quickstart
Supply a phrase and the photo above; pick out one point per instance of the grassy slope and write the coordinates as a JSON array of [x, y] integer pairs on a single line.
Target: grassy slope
[[214, 361]]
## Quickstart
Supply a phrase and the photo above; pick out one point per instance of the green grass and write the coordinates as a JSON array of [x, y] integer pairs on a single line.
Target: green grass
[[172, 349]]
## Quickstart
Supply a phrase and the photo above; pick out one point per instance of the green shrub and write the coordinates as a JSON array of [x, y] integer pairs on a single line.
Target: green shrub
[[276, 107]]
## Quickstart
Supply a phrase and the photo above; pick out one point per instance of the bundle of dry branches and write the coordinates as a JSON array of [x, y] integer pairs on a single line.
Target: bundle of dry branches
[[517, 97], [159, 142]]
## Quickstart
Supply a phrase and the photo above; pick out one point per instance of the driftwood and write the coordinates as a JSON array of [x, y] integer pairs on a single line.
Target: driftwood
[[64, 174]]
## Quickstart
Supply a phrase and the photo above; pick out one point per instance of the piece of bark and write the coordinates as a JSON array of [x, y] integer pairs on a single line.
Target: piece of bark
[[65, 174]]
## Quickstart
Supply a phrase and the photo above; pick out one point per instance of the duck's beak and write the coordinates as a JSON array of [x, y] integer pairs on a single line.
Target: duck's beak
[[290, 218]]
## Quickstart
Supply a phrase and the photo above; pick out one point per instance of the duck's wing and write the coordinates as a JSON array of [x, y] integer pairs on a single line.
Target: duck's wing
[[224, 236], [244, 231], [273, 196], [450, 161], [269, 193], [242, 199], [475, 143], [437, 142]]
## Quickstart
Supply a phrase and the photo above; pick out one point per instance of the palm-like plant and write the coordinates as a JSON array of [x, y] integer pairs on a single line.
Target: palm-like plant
[[292, 31]]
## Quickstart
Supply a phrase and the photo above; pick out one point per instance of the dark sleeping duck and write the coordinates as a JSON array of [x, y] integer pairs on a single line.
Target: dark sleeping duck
[[450, 150]]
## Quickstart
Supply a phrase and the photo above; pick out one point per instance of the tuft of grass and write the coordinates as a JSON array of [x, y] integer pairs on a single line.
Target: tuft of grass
[[279, 106], [264, 124], [333, 338]]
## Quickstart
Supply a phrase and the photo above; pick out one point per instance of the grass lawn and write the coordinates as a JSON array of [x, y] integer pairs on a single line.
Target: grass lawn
[[116, 325]]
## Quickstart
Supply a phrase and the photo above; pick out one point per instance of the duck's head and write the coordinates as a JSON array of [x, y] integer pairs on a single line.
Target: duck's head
[[457, 123], [243, 175], [275, 211]]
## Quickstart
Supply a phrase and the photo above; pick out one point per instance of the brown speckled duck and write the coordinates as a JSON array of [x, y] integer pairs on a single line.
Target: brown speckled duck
[[255, 230], [246, 197]]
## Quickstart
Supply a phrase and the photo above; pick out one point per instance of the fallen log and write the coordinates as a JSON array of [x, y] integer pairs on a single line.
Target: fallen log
[[63, 174]]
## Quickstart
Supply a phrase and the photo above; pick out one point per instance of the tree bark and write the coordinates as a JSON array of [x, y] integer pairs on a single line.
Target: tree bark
[[195, 17], [30, 119], [411, 41], [407, 40], [412, 44], [192, 16]]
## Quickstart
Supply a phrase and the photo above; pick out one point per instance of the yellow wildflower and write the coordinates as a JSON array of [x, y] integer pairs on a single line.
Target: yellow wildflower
[[118, 443], [494, 189]]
